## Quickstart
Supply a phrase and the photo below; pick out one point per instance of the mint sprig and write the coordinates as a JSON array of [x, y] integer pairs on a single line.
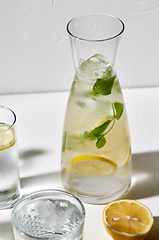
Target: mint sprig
[[99, 133], [98, 130]]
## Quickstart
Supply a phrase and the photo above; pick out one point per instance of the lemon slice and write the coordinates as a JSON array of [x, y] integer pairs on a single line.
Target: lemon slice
[[127, 219], [93, 165], [7, 138]]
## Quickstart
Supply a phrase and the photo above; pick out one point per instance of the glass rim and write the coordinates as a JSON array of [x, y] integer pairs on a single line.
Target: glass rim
[[14, 117], [96, 40], [37, 195]]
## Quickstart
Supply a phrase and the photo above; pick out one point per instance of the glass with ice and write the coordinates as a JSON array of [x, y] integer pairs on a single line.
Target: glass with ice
[[48, 214], [9, 171], [96, 148]]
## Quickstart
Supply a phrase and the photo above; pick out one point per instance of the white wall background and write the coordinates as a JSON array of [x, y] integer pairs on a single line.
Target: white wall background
[[35, 54]]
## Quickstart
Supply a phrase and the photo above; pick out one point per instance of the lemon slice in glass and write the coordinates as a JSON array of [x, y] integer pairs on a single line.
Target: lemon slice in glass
[[7, 138], [93, 165]]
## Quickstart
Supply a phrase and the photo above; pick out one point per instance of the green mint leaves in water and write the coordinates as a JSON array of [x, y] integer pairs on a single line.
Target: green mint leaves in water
[[98, 133], [104, 86]]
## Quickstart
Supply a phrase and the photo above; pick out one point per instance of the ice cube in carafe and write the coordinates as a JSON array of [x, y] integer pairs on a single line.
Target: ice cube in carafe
[[93, 68]]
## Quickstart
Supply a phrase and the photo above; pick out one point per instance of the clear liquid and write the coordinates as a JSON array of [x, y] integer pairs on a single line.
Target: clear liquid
[[89, 106], [49, 219], [9, 173]]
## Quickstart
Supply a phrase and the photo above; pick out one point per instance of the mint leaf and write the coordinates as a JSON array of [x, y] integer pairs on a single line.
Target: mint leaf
[[90, 135], [103, 86], [87, 135], [116, 86], [98, 130], [64, 141], [72, 86], [119, 107], [81, 104], [101, 142]]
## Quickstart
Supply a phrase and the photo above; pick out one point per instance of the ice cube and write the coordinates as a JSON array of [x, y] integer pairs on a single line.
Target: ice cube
[[61, 206], [93, 68]]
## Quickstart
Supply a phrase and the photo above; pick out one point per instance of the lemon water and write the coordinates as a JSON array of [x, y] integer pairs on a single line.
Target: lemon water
[[9, 175], [48, 219], [96, 150]]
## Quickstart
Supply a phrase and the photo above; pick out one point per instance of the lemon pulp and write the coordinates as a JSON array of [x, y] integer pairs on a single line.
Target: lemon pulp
[[93, 165], [7, 137], [127, 219]]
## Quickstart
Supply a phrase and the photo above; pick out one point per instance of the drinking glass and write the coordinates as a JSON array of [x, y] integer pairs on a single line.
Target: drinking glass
[[48, 214], [96, 148], [9, 171]]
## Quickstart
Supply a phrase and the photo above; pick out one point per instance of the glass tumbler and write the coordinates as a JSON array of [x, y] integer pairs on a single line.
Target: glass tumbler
[[48, 215], [9, 171]]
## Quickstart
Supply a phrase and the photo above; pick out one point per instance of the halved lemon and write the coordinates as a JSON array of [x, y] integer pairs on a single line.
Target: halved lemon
[[7, 138], [127, 219], [93, 165]]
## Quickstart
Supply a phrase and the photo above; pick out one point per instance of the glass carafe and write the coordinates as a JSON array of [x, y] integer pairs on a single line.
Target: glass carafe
[[96, 148]]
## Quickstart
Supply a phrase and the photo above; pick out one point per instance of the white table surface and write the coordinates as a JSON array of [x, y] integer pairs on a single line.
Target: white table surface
[[39, 123]]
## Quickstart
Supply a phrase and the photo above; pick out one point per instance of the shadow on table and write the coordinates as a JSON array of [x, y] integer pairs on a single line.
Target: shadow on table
[[31, 153], [39, 182], [6, 231], [145, 176]]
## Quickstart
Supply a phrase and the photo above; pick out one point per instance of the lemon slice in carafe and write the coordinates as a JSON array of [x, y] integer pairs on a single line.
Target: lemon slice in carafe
[[93, 165]]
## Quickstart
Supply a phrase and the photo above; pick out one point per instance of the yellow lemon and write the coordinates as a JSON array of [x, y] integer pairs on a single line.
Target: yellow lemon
[[7, 138], [127, 220], [93, 165]]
